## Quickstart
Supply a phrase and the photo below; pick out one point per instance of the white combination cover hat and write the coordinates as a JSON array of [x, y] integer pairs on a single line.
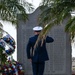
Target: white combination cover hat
[[37, 28]]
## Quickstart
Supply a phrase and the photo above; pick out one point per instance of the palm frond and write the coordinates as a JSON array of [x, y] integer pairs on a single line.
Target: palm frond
[[70, 24], [43, 33], [10, 8], [53, 13]]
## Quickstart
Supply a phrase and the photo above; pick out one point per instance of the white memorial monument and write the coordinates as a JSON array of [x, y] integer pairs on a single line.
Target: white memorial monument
[[59, 51]]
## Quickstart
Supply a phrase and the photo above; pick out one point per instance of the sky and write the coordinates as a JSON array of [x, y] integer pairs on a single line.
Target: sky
[[7, 26], [35, 3]]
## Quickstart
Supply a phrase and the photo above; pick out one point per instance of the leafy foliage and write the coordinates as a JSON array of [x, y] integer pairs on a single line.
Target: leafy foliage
[[10, 8], [55, 11]]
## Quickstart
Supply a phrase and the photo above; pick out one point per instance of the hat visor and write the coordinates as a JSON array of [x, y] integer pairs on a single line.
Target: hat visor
[[37, 30]]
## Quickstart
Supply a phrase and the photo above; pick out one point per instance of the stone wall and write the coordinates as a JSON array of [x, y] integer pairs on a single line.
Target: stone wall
[[59, 51]]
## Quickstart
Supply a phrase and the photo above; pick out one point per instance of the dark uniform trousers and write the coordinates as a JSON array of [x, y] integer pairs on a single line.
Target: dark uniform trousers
[[38, 68]]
